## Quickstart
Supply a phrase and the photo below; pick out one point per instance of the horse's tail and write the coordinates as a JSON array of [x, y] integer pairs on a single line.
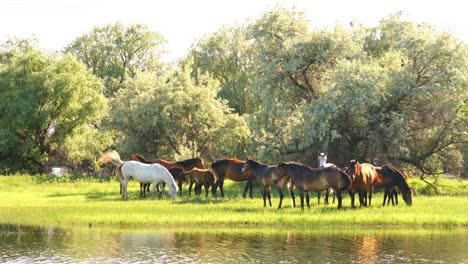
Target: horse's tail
[[111, 157], [139, 157], [215, 174], [346, 180]]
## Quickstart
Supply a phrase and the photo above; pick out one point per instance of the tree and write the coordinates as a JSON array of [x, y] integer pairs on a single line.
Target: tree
[[46, 102], [178, 117], [227, 56], [116, 52]]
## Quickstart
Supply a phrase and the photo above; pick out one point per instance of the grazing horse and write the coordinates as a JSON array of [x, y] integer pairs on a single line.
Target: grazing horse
[[232, 169], [307, 179], [202, 177], [176, 173], [322, 163], [365, 178], [141, 172], [185, 165], [264, 175], [391, 178]]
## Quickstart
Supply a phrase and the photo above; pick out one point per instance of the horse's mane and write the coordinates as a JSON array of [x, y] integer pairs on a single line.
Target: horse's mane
[[183, 163], [140, 158], [296, 164]]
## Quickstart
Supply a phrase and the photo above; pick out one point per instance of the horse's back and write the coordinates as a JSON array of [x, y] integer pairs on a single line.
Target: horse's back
[[229, 168], [144, 173]]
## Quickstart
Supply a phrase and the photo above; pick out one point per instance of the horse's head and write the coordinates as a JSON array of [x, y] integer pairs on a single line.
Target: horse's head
[[322, 159], [200, 163], [173, 189], [354, 168], [281, 174], [248, 165], [408, 196]]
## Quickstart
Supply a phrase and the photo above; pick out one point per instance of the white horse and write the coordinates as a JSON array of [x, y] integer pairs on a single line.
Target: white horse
[[141, 172], [322, 163]]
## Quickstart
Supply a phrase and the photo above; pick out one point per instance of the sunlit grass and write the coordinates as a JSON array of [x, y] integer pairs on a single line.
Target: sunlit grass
[[65, 202]]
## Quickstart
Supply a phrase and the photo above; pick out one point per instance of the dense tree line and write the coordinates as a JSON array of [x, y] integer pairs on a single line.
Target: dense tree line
[[272, 89]]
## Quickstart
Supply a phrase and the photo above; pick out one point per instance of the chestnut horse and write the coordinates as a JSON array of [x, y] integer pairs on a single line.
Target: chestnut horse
[[264, 175], [202, 177], [391, 178], [365, 178], [307, 179], [232, 169], [185, 165]]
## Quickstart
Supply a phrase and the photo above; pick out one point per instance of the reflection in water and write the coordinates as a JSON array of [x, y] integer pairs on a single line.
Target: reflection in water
[[233, 246]]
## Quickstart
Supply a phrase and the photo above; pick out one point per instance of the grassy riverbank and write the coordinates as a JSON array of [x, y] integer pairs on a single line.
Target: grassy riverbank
[[66, 202]]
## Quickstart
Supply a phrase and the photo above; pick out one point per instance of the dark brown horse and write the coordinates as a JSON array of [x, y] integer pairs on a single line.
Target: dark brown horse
[[232, 169], [184, 165], [201, 177], [264, 175], [365, 178], [307, 179], [392, 178]]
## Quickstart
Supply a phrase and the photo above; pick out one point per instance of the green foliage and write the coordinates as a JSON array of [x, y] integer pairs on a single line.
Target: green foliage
[[116, 52], [175, 114], [45, 100]]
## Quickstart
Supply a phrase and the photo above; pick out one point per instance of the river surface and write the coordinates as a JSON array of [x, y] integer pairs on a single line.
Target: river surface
[[32, 245]]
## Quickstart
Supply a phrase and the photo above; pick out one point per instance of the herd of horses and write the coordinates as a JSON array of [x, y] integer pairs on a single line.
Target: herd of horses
[[357, 178]]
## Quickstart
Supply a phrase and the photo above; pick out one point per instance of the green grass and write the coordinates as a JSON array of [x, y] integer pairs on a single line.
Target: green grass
[[79, 203]]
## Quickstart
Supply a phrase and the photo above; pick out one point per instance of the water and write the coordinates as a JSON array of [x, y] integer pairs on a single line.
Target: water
[[300, 246]]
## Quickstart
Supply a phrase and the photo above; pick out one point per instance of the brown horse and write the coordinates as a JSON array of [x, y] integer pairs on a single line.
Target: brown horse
[[307, 179], [201, 177], [177, 166], [392, 178], [232, 169], [365, 178], [264, 175]]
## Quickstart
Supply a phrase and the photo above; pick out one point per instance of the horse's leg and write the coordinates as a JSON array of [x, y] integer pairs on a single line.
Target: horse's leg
[[351, 195], [280, 194], [340, 199], [395, 194], [213, 189], [179, 183], [251, 187], [221, 187], [264, 194], [293, 197], [246, 187], [124, 188], [141, 189], [384, 197], [307, 200], [334, 195], [269, 194], [190, 187], [154, 190], [327, 194], [301, 194], [146, 188], [207, 189], [318, 197], [370, 196]]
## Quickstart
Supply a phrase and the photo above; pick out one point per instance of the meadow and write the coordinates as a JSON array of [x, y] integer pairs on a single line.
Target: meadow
[[79, 202]]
